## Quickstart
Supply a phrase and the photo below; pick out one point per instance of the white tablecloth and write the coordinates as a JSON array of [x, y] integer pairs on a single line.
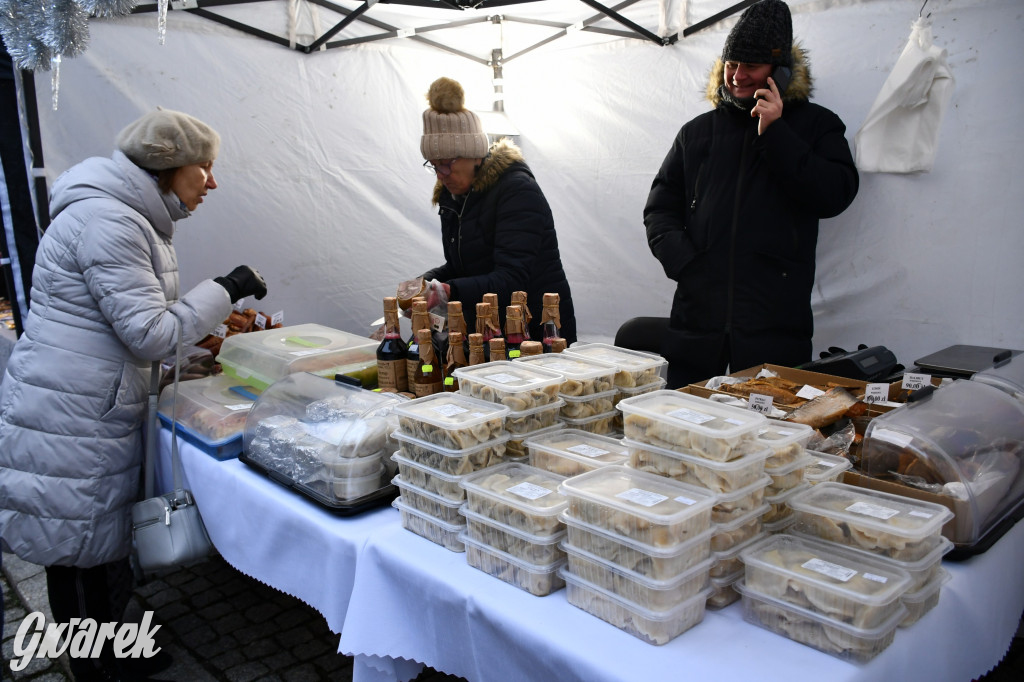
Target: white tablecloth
[[399, 601]]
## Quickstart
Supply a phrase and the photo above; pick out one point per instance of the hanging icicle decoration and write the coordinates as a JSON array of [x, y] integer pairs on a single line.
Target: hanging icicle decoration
[[161, 20], [18, 23], [55, 79]]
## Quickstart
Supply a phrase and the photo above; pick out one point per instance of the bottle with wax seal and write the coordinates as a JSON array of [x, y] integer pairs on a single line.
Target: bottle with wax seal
[[392, 374], [550, 321], [429, 377], [496, 348], [513, 331], [477, 355], [495, 324], [519, 299], [457, 323], [420, 320], [456, 358], [485, 327], [529, 348]]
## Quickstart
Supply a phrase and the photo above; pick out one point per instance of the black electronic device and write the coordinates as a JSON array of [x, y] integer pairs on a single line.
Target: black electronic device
[[961, 361], [866, 363]]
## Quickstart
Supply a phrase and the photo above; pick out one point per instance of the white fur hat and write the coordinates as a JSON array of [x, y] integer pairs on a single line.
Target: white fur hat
[[165, 139], [450, 130]]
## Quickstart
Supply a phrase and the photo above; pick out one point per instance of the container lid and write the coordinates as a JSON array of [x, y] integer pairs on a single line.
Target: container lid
[[519, 485], [449, 411], [934, 584], [636, 364], [787, 494], [523, 437], [447, 478], [780, 434], [506, 376], [657, 499], [737, 549], [550, 407], [877, 511], [665, 552], [571, 367], [762, 481], [822, 565], [589, 398], [1007, 375], [405, 486], [825, 467], [752, 453], [448, 452], [581, 446], [510, 530], [741, 520], [272, 354], [403, 506], [646, 581], [691, 413], [800, 462], [942, 546], [214, 407], [630, 391], [583, 421], [513, 560], [678, 611]]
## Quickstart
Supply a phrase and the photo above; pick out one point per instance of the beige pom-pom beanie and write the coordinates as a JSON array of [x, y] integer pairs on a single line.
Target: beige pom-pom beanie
[[450, 130]]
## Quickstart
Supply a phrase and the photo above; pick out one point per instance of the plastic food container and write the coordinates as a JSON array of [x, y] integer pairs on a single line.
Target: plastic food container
[[646, 592], [823, 467], [451, 462], [430, 527], [739, 530], [778, 507], [569, 452], [654, 510], [210, 412], [633, 368], [516, 385], [722, 591], [728, 562], [261, 358], [739, 503], [452, 420], [537, 579], [425, 501], [787, 476], [581, 407], [924, 599], [657, 563], [580, 377], [517, 449], [535, 419], [689, 424], [829, 635], [653, 627], [1007, 376], [517, 495], [786, 439], [533, 549], [602, 424], [783, 525], [719, 477], [622, 393], [853, 588], [431, 480], [884, 524]]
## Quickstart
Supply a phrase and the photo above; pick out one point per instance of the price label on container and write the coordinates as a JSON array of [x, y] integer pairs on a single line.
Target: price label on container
[[914, 382], [876, 393], [277, 318], [760, 403], [261, 321], [220, 330], [809, 392]]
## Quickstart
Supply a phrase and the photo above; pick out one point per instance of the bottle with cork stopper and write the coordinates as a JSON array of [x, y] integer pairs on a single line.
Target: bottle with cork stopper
[[496, 347], [529, 348], [392, 371], [549, 320], [513, 330], [429, 377], [420, 320], [519, 299], [476, 349], [456, 359]]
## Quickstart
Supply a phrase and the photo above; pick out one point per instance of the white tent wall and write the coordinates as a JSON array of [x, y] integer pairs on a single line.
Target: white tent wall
[[320, 185]]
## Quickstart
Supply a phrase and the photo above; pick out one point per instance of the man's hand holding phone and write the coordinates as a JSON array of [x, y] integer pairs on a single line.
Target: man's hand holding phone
[[768, 108]]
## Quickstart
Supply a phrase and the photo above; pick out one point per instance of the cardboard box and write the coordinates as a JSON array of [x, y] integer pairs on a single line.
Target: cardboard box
[[799, 376], [957, 529]]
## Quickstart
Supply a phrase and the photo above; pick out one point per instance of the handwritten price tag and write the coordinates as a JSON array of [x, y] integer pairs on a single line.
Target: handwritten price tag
[[261, 321], [277, 318], [760, 403], [876, 393], [914, 382]]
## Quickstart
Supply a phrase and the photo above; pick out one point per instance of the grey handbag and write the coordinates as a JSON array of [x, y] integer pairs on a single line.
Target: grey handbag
[[167, 530]]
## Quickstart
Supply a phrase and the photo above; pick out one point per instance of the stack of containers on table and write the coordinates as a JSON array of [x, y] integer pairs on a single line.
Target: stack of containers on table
[[824, 467], [636, 373], [513, 528], [823, 595], [639, 550], [570, 452], [210, 412], [899, 531], [530, 393], [786, 466], [443, 438], [704, 443], [587, 390]]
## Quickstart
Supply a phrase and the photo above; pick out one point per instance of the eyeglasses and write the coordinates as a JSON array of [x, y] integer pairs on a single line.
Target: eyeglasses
[[442, 168]]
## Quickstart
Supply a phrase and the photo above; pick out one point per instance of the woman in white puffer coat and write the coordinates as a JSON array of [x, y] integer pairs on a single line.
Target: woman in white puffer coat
[[104, 306]]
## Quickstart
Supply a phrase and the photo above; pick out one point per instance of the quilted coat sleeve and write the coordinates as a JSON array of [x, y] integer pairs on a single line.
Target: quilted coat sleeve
[[665, 212]]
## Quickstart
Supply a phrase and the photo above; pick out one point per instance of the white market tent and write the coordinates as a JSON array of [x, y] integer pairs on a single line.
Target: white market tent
[[321, 187]]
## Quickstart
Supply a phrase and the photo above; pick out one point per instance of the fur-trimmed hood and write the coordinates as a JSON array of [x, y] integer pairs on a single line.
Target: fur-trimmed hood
[[500, 157], [800, 86]]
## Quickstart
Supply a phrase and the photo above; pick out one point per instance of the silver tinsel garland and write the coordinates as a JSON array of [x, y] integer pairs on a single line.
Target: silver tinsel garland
[[37, 31]]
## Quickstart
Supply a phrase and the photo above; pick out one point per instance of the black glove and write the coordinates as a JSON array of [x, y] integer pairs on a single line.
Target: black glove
[[243, 281]]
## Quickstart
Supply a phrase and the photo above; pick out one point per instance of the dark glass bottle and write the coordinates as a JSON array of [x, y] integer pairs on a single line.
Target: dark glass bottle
[[549, 321], [519, 299], [456, 359], [513, 331], [429, 377], [420, 320], [392, 374]]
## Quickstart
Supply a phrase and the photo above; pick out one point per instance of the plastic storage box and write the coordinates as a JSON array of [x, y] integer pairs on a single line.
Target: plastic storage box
[[623, 393], [633, 368], [924, 599], [425, 501], [728, 562], [654, 510], [517, 495], [718, 477], [787, 476], [581, 407], [517, 450], [533, 549], [601, 424], [534, 419], [778, 505], [965, 442], [787, 441], [739, 503], [823, 467], [430, 527], [448, 461], [518, 386], [210, 412], [881, 523], [537, 579], [722, 590], [738, 530], [580, 377], [685, 423], [569, 452], [261, 358], [452, 421], [326, 440]]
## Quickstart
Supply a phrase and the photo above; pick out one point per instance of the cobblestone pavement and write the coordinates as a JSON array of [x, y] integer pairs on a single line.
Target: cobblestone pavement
[[218, 624]]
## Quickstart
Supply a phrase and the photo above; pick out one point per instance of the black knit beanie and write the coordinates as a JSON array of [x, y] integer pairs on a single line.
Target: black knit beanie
[[763, 35]]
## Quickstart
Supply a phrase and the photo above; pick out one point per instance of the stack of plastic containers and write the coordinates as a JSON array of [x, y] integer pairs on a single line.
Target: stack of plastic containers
[[530, 393], [442, 439], [823, 595], [785, 465], [638, 550], [512, 526], [701, 442], [823, 467], [210, 412], [901, 532], [636, 372], [570, 452], [587, 388]]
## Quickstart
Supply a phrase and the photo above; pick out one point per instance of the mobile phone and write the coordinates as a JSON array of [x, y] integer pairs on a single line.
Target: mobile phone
[[782, 75]]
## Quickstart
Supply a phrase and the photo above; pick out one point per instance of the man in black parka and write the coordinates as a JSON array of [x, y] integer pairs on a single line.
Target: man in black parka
[[733, 212], [497, 230]]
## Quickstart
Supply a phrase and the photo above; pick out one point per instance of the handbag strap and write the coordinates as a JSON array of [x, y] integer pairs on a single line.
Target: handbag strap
[[153, 435]]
